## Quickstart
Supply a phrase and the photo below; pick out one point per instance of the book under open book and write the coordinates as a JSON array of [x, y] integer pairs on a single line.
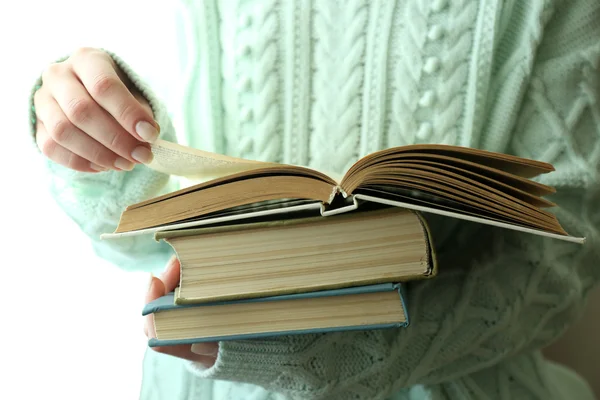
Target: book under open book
[[364, 307], [301, 254], [459, 182]]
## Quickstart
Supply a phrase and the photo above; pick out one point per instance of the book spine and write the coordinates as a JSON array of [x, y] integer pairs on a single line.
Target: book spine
[[402, 294], [431, 254], [335, 190]]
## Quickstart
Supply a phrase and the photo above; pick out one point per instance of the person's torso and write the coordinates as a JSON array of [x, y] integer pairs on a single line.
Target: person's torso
[[323, 83]]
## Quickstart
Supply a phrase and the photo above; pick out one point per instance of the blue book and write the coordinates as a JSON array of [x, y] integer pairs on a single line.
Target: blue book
[[356, 308]]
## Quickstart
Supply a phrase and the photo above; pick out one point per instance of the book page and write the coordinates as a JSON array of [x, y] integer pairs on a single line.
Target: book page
[[408, 202], [193, 164], [516, 167]]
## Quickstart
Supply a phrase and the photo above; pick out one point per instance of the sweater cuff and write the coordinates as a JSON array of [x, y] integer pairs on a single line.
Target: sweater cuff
[[276, 362], [234, 363]]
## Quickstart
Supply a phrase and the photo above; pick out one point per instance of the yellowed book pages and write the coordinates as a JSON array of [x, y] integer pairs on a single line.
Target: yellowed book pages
[[456, 181], [301, 255], [196, 165]]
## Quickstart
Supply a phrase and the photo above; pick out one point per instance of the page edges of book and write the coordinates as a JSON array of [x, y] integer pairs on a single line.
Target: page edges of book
[[153, 342], [165, 302], [212, 221], [568, 238], [265, 295]]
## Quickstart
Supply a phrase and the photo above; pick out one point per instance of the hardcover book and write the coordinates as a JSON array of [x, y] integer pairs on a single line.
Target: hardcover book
[[301, 254], [366, 307]]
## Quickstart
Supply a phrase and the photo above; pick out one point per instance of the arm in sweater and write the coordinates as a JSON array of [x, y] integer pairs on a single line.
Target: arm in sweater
[[95, 201], [499, 294]]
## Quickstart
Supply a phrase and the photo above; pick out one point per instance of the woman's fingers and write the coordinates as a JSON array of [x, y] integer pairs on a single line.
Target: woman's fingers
[[66, 134], [60, 155], [207, 349], [84, 113], [97, 72], [205, 353], [88, 113]]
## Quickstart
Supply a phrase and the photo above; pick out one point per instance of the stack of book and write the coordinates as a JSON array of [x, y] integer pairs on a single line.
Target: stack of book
[[270, 249]]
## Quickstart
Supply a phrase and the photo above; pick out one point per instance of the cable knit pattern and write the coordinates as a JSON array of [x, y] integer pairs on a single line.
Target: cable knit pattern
[[253, 116], [265, 102], [479, 71], [297, 52], [512, 76], [339, 46], [513, 65], [375, 89], [234, 55], [450, 90], [407, 44], [212, 123]]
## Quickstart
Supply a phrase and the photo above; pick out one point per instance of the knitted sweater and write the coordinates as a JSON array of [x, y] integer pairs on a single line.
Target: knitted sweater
[[321, 84]]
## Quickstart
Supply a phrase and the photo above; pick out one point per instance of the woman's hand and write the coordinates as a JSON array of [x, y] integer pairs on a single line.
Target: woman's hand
[[203, 353], [88, 117]]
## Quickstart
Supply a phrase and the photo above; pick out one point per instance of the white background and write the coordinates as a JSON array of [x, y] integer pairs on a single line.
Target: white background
[[70, 325]]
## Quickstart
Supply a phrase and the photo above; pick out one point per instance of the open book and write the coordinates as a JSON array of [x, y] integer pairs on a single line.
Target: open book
[[476, 185]]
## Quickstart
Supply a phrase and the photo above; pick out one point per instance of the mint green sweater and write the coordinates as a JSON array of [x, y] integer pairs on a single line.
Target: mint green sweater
[[321, 84]]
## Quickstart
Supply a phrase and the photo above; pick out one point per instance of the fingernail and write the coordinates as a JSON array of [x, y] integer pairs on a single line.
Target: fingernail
[[97, 167], [147, 131], [123, 164], [205, 349], [142, 154]]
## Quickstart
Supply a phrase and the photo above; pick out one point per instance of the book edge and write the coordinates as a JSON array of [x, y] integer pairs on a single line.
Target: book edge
[[168, 302], [432, 262], [210, 221], [153, 342], [568, 238], [402, 293]]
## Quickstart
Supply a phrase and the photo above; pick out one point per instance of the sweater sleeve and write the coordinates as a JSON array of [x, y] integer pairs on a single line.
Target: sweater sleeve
[[500, 294], [95, 201]]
